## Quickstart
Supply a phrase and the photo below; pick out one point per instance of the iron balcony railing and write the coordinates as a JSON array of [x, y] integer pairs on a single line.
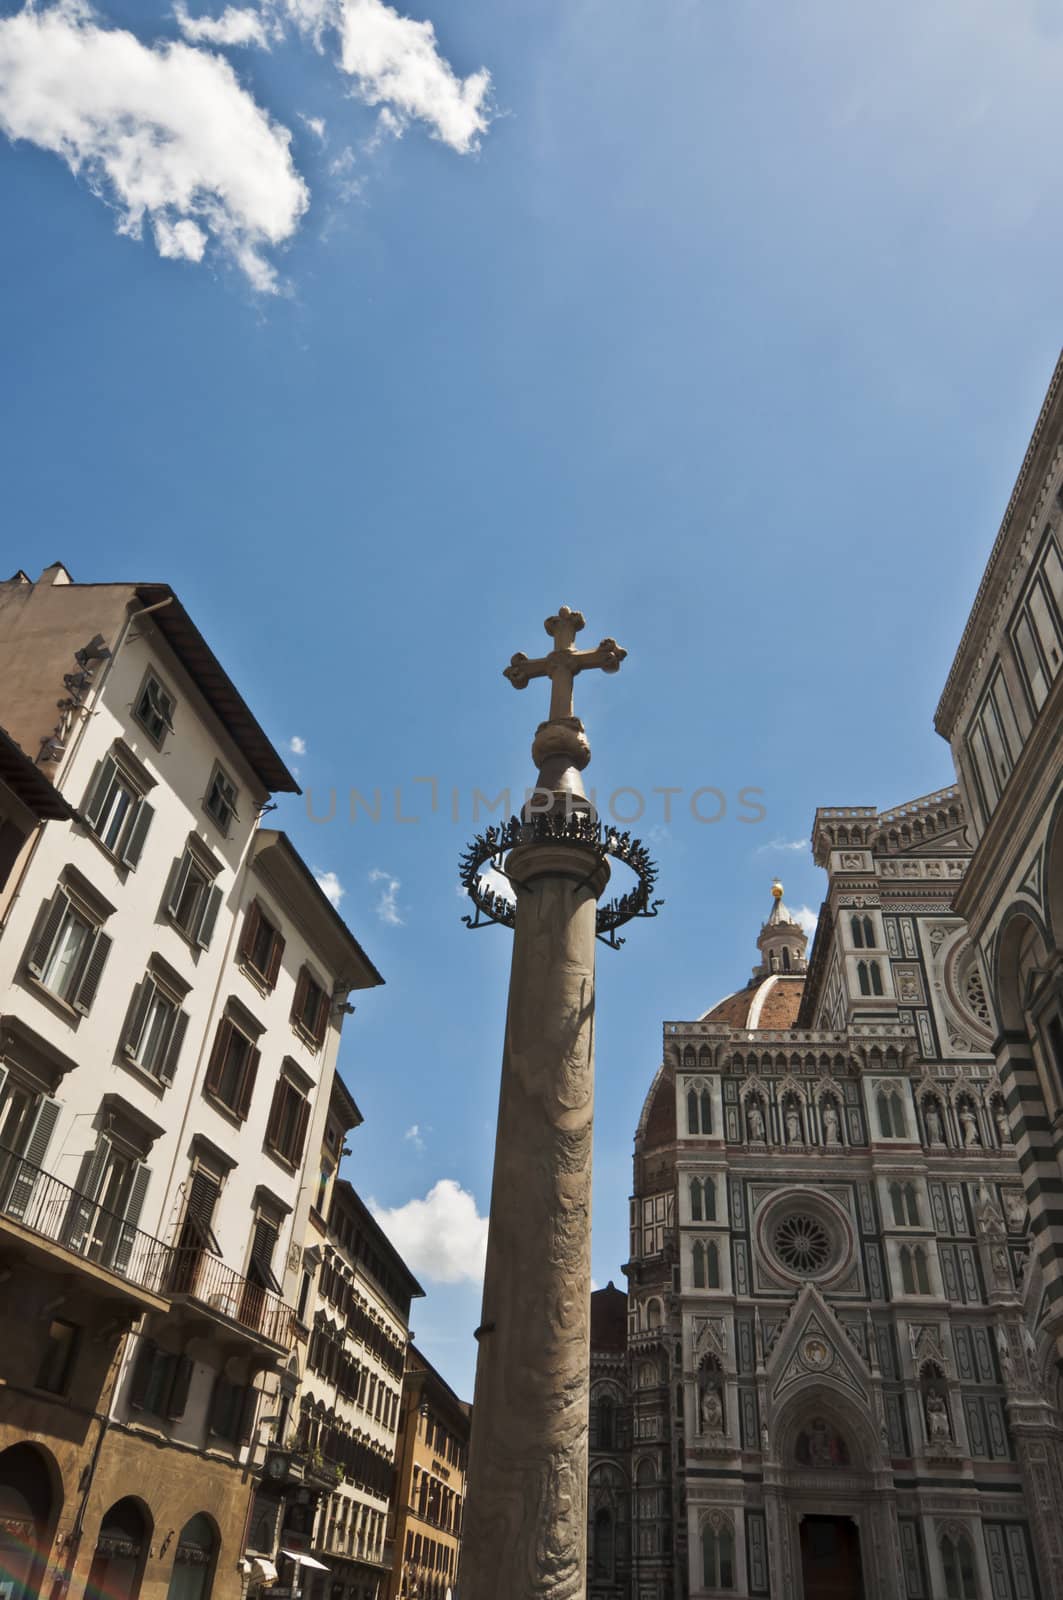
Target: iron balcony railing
[[55, 1211], [206, 1278]]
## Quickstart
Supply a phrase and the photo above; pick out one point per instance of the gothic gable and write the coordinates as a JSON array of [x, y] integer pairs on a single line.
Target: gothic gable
[[814, 1349]]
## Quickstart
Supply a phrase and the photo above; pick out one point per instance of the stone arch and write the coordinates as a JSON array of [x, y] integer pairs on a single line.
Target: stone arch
[[123, 1544], [31, 1500], [841, 1410], [195, 1559], [1017, 925]]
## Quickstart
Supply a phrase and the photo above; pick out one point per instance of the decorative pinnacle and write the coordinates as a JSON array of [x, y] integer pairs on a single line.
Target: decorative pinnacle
[[776, 889]]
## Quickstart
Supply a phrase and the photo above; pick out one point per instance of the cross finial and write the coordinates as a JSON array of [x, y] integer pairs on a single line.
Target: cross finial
[[560, 743], [563, 662]]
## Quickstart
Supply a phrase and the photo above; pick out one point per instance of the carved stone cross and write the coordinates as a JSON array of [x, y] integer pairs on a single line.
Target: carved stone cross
[[563, 662]]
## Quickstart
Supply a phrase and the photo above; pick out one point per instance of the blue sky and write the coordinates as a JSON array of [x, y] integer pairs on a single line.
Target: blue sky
[[722, 320]]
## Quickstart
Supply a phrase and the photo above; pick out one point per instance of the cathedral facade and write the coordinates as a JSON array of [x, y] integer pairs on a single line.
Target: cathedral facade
[[834, 1391]]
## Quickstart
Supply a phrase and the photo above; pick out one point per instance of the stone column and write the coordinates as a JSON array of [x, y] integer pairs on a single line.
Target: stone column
[[525, 1534]]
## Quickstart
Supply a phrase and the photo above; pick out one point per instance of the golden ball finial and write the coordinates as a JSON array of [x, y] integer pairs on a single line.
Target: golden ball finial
[[776, 890]]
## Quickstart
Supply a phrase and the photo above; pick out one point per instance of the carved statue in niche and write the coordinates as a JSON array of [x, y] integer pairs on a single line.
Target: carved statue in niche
[[819, 1446], [711, 1411], [1015, 1206], [938, 1427], [831, 1126], [1000, 1117], [793, 1123], [755, 1121], [934, 1130], [969, 1125]]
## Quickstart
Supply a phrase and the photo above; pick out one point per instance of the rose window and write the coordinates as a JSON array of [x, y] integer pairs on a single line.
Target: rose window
[[802, 1244], [974, 994]]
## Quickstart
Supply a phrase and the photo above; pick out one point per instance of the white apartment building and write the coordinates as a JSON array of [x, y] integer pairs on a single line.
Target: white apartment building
[[173, 984]]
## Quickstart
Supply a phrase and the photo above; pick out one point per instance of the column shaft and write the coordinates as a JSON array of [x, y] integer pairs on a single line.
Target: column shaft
[[526, 1519]]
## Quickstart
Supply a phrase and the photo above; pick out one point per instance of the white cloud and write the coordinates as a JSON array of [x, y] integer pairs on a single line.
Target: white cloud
[[163, 134], [395, 63], [235, 26], [784, 844], [806, 919], [387, 908], [414, 1135], [442, 1237], [316, 126], [296, 745], [341, 168], [330, 886]]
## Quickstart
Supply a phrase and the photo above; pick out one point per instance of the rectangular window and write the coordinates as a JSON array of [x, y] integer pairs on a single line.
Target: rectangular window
[[232, 1410], [116, 810], [288, 1119], [1036, 630], [69, 953], [156, 1029], [57, 1358], [159, 1381], [993, 740], [192, 900], [101, 1222], [233, 1065], [310, 1011], [220, 800], [154, 709], [261, 945]]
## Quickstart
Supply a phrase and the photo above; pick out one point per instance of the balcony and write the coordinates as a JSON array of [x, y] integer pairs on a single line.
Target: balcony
[[203, 1281], [59, 1227], [298, 1466]]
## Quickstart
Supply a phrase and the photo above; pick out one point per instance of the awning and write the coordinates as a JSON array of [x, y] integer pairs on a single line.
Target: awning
[[304, 1561], [263, 1571]]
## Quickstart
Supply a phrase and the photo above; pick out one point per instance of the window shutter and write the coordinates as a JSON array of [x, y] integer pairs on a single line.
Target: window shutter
[[302, 989], [102, 779], [42, 947], [249, 930], [168, 1065], [247, 1083], [263, 1245], [138, 1012], [217, 1055], [203, 1192], [321, 1024], [273, 966], [210, 917], [176, 883], [177, 1399], [295, 1151], [83, 1205], [93, 971], [33, 1154], [134, 1206], [138, 832], [142, 1371], [276, 1114]]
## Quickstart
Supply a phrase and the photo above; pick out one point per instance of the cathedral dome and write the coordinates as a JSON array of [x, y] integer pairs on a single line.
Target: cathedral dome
[[770, 1000]]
